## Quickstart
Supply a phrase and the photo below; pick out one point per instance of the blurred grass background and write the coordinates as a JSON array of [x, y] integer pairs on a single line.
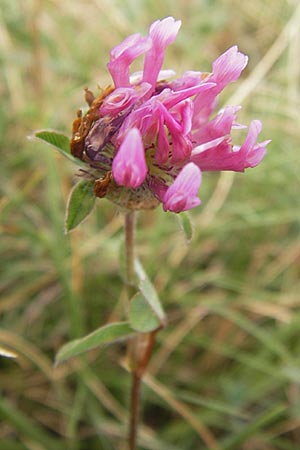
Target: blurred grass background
[[226, 373]]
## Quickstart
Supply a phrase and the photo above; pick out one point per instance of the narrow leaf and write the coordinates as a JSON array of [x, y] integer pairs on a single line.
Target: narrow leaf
[[59, 141], [141, 316], [80, 204], [105, 335], [149, 293], [186, 225]]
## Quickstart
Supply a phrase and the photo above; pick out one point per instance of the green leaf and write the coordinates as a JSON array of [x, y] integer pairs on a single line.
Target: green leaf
[[59, 141], [149, 293], [186, 226], [80, 204], [141, 316], [105, 335]]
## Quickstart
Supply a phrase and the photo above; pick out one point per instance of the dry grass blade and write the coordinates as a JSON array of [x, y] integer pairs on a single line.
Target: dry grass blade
[[274, 311], [13, 78], [7, 353], [18, 297], [29, 351], [174, 339], [162, 391], [263, 67], [217, 199], [104, 396]]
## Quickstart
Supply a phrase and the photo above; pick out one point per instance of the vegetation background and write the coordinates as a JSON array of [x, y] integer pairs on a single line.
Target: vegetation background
[[226, 371]]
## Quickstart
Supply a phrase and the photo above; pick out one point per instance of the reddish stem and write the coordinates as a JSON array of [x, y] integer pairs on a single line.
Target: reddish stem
[[139, 353], [134, 410]]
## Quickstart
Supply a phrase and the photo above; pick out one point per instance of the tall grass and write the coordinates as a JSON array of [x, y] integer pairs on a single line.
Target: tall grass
[[226, 371]]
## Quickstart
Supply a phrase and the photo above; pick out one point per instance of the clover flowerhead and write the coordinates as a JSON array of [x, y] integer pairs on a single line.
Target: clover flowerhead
[[150, 135]]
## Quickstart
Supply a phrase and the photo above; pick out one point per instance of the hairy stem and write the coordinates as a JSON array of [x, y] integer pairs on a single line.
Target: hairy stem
[[129, 224], [141, 350], [140, 347], [129, 248], [135, 401]]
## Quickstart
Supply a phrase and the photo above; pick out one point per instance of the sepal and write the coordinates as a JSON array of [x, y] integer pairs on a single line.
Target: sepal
[[80, 204]]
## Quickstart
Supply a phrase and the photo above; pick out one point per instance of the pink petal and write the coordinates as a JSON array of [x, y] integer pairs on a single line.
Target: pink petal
[[204, 105], [188, 79], [254, 152], [181, 143], [163, 75], [157, 187], [228, 67], [221, 125], [163, 146], [119, 100], [122, 99], [163, 33], [184, 110], [181, 148], [171, 98], [182, 194], [144, 118], [220, 155], [129, 166], [123, 55]]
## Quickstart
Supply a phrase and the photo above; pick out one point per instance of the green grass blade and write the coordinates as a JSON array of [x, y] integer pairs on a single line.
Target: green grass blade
[[269, 340], [256, 426], [24, 426]]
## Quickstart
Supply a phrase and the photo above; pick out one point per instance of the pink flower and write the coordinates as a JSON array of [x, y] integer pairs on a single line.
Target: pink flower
[[158, 134], [121, 99], [129, 166], [228, 67], [182, 194], [162, 33], [123, 55], [218, 154]]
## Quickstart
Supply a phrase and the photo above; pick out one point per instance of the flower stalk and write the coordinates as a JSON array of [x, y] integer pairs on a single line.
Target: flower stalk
[[135, 401], [129, 224], [140, 347], [140, 351]]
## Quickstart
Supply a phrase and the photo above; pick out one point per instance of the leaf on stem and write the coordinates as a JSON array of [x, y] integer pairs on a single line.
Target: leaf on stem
[[80, 204], [58, 141], [141, 316], [186, 225], [149, 293], [108, 334]]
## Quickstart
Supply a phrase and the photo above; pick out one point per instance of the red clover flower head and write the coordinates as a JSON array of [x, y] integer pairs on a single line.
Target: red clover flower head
[[149, 137]]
